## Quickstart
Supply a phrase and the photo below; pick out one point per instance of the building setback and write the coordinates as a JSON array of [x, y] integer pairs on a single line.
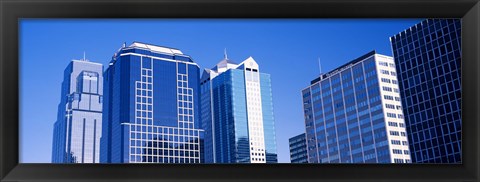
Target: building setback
[[151, 108], [77, 131], [237, 114], [298, 149], [428, 60], [353, 114]]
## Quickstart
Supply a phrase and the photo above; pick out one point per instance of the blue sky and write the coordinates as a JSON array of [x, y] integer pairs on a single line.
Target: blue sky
[[288, 49]]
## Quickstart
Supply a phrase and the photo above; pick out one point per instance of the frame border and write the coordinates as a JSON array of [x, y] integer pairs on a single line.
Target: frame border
[[12, 11]]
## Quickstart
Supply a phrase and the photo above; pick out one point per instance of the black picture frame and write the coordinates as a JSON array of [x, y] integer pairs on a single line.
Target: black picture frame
[[11, 11]]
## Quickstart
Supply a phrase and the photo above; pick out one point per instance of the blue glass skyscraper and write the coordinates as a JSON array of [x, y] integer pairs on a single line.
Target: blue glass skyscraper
[[151, 108], [353, 114], [428, 60], [77, 131], [237, 113], [298, 149]]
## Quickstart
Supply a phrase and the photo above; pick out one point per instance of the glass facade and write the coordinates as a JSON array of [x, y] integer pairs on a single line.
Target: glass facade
[[428, 60], [237, 114], [77, 131], [151, 113], [298, 149], [352, 114]]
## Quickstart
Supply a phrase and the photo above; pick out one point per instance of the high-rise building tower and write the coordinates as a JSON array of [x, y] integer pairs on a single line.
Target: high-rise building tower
[[353, 114], [298, 149], [237, 114], [151, 112], [428, 59], [77, 131]]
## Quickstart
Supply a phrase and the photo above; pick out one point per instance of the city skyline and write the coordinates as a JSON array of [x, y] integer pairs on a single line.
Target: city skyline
[[276, 78]]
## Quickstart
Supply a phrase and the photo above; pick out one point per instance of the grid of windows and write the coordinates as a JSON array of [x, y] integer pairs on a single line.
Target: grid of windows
[[238, 114], [162, 144], [428, 60], [298, 149], [77, 131], [344, 114], [142, 86], [255, 116]]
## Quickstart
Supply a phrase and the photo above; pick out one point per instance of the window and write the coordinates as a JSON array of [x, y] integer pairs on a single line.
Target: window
[[392, 65], [394, 133], [400, 116], [399, 107], [383, 63], [385, 72], [387, 89], [395, 142], [391, 115], [404, 143], [390, 106], [397, 151], [388, 97], [398, 160], [397, 98], [394, 82], [406, 152], [402, 125], [393, 73], [385, 80], [396, 90], [392, 124]]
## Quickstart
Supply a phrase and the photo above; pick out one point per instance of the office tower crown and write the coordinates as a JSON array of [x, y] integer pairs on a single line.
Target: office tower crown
[[153, 51], [225, 64]]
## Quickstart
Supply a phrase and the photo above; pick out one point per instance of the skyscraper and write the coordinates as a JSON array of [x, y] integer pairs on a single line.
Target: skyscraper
[[353, 114], [428, 60], [237, 113], [298, 149], [151, 108], [77, 131]]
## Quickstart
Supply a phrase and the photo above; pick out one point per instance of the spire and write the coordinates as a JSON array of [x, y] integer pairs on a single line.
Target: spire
[[319, 65], [84, 56], [225, 53]]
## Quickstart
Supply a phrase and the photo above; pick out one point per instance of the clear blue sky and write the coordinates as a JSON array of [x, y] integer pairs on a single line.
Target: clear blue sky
[[287, 49]]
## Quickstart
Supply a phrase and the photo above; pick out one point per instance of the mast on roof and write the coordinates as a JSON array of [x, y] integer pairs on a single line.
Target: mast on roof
[[319, 65], [225, 53]]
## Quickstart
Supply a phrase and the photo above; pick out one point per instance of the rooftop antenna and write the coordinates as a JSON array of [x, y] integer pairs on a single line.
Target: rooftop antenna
[[225, 53], [319, 65], [84, 56]]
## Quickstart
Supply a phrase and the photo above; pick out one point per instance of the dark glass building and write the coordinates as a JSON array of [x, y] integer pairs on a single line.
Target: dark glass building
[[298, 149], [151, 112], [428, 61]]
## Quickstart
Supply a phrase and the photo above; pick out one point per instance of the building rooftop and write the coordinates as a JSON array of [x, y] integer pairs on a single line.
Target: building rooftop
[[325, 75], [156, 48]]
